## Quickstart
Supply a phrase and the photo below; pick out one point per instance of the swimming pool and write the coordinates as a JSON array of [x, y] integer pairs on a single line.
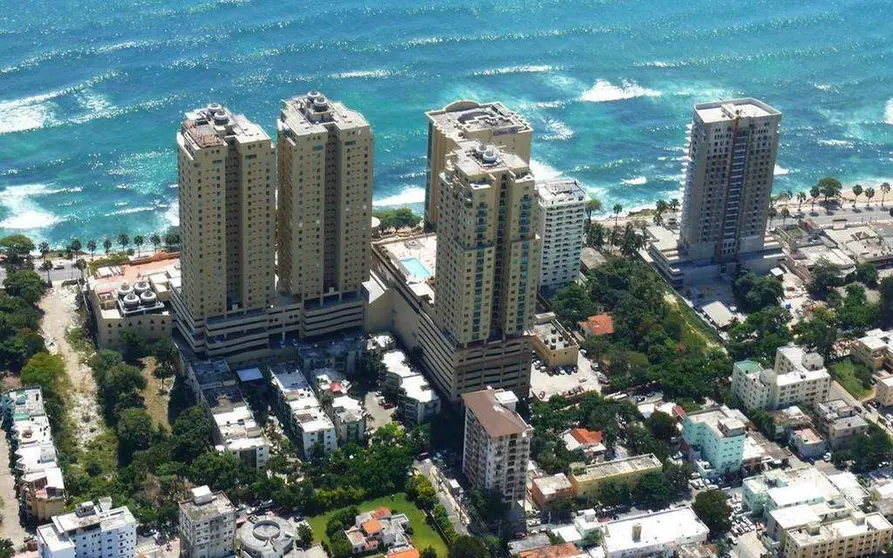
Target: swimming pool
[[415, 267]]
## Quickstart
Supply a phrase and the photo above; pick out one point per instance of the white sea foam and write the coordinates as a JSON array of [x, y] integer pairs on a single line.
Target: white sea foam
[[22, 211], [836, 143], [354, 74], [522, 69], [637, 181], [543, 171], [557, 130], [29, 113], [824, 87], [409, 195], [172, 215], [780, 170], [888, 112], [130, 211], [604, 92]]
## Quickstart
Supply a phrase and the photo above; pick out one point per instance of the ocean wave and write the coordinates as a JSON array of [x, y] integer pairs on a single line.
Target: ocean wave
[[888, 112], [23, 213], [557, 130], [836, 143], [824, 87], [523, 69], [409, 195], [636, 181], [543, 171], [131, 210], [604, 92], [362, 74], [172, 215]]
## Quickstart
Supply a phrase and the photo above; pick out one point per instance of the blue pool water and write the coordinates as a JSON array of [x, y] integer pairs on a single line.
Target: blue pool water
[[415, 267], [92, 91]]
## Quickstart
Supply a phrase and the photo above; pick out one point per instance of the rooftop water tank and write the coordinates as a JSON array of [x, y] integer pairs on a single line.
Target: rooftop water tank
[[148, 298], [124, 290], [131, 301], [140, 287]]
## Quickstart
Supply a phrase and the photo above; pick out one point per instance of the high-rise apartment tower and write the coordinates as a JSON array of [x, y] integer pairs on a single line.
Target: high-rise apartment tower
[[491, 123], [488, 252], [325, 155], [226, 193], [728, 180]]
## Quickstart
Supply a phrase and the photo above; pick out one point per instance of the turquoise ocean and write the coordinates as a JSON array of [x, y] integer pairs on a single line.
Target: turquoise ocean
[[92, 92]]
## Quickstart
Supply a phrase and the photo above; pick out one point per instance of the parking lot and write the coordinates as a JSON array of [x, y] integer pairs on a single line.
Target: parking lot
[[564, 381]]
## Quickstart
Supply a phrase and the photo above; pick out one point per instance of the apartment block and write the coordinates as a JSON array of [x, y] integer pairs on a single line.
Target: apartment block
[[227, 230], [497, 444], [797, 378], [94, 530], [553, 343], [728, 180], [840, 423], [134, 297], [417, 402], [585, 479], [207, 525], [301, 412], [549, 489], [661, 533], [325, 156], [561, 216], [463, 120], [488, 262], [40, 485], [884, 391], [860, 534], [349, 419], [875, 349], [715, 439]]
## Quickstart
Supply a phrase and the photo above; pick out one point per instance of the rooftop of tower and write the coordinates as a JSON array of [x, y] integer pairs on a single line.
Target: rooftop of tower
[[474, 158], [721, 111], [462, 117], [311, 113], [213, 124]]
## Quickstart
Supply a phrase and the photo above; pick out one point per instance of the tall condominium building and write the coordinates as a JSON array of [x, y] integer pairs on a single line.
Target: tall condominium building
[[325, 155], [94, 530], [488, 252], [227, 199], [561, 215], [497, 444], [207, 525], [798, 378], [467, 120], [728, 180]]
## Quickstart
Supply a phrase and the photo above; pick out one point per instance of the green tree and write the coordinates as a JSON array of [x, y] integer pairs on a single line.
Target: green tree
[[91, 246], [596, 236], [871, 449], [593, 205], [869, 193], [47, 266], [674, 205], [75, 245], [106, 245], [172, 238], [123, 240], [754, 293], [885, 189], [867, 273], [712, 508], [829, 187], [305, 536], [662, 426], [428, 552], [135, 432], [139, 240], [820, 332], [24, 284], [814, 194], [801, 197], [44, 249], [7, 549], [397, 218], [420, 490], [857, 191], [886, 302], [489, 505], [655, 491], [824, 277], [155, 240], [618, 209], [469, 547], [16, 247], [48, 372]]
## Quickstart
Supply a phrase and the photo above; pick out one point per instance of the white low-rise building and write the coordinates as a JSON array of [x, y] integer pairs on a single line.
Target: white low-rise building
[[92, 530], [875, 349], [207, 525], [417, 401], [652, 534], [349, 419], [798, 377], [301, 411]]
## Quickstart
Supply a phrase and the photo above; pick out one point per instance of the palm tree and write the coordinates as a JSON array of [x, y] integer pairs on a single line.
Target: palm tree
[[869, 193], [155, 240], [91, 245], [81, 264], [630, 240], [857, 191], [47, 265], [618, 209], [814, 193], [674, 205], [43, 248], [106, 245], [801, 197], [785, 213], [123, 240], [592, 206], [595, 236], [885, 189], [772, 213], [172, 238], [614, 237], [75, 245], [139, 241]]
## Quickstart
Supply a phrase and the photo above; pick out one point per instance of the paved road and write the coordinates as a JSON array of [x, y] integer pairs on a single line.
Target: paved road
[[10, 528], [457, 513], [57, 276]]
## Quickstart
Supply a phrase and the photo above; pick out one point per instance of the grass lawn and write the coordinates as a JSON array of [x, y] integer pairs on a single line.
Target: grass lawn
[[156, 402], [422, 534], [845, 374]]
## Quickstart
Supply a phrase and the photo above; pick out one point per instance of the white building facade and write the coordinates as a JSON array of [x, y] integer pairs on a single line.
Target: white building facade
[[561, 216], [92, 530]]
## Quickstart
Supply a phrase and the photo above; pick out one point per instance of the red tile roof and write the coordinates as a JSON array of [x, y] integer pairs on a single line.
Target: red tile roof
[[588, 437], [412, 552], [566, 550], [371, 527], [599, 324], [381, 512]]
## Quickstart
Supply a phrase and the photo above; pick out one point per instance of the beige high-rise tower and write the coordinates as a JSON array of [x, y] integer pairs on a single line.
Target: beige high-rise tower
[[728, 182], [488, 252], [226, 194], [491, 123], [325, 155]]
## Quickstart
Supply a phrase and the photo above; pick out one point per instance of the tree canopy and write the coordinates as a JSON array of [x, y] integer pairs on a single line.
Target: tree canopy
[[397, 218], [16, 247], [712, 507]]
